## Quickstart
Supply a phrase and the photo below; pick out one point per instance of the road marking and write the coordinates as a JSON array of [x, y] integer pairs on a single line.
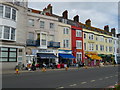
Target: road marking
[[92, 81], [73, 85], [83, 82], [100, 79], [111, 76], [106, 77], [116, 75], [60, 87]]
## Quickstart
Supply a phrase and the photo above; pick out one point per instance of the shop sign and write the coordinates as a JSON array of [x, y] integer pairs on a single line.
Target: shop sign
[[45, 51], [65, 51]]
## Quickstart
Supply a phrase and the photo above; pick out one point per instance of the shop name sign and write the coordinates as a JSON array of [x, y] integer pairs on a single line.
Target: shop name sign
[[65, 51], [45, 51]]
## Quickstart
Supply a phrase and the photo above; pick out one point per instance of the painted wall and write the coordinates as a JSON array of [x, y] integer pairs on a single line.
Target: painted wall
[[74, 39], [98, 42]]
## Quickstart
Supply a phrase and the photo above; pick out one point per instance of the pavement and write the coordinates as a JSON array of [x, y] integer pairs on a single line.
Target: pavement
[[48, 69], [59, 78]]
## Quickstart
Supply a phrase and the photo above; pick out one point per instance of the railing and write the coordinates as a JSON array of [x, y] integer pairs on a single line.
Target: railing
[[53, 44], [30, 42]]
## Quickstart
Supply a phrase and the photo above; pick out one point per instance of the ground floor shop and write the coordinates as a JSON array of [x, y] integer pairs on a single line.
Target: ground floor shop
[[10, 56]]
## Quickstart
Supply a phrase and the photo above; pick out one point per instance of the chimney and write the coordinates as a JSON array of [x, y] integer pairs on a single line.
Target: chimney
[[76, 18], [106, 28], [88, 22], [48, 9], [113, 31], [65, 14]]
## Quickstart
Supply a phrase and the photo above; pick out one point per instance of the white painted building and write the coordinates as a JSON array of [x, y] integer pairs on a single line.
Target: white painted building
[[12, 33]]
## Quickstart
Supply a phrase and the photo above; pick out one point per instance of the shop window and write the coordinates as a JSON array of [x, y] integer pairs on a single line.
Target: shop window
[[8, 54]]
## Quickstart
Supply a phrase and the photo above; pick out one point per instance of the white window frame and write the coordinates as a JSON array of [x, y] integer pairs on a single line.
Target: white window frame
[[65, 44], [2, 37], [78, 33], [65, 30], [42, 26], [78, 56], [11, 13], [77, 46]]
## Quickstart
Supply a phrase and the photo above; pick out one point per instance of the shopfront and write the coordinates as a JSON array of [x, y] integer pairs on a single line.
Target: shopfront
[[46, 56], [66, 57]]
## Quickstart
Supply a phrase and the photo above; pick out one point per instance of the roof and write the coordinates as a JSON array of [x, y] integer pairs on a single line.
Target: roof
[[78, 23]]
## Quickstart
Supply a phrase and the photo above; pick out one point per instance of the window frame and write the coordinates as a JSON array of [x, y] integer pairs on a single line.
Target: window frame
[[77, 46], [78, 33]]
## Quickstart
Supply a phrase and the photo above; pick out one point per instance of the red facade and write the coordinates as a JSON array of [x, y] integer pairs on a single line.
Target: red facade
[[74, 39]]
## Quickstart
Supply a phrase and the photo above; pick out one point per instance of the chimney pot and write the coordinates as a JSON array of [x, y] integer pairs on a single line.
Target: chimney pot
[[76, 18], [88, 22], [65, 14]]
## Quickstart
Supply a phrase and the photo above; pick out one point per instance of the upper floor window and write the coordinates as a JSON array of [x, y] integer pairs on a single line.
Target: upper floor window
[[110, 49], [0, 31], [85, 46], [102, 38], [51, 25], [7, 33], [1, 11], [31, 35], [79, 44], [51, 38], [96, 47], [96, 38], [78, 33], [65, 30], [7, 12], [31, 22], [64, 21], [66, 43], [42, 24], [101, 47], [91, 36], [91, 46], [43, 40], [84, 35]]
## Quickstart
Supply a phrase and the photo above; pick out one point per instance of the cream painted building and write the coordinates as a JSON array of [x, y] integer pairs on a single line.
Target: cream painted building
[[97, 42], [63, 35]]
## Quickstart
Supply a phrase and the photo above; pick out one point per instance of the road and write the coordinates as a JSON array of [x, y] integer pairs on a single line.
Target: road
[[74, 78]]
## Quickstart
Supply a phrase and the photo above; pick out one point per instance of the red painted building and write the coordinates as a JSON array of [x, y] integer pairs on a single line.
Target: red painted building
[[77, 44]]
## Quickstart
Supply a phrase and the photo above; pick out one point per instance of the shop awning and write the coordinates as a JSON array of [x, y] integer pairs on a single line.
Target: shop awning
[[94, 57], [66, 56], [46, 55]]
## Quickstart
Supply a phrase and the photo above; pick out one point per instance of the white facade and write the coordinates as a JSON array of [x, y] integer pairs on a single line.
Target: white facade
[[13, 34]]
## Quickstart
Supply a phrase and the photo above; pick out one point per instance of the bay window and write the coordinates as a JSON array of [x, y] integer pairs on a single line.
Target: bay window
[[7, 12]]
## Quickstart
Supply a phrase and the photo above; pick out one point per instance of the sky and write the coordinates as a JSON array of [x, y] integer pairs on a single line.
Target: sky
[[100, 13]]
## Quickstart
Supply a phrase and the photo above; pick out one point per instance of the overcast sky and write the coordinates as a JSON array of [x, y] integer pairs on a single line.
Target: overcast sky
[[100, 13]]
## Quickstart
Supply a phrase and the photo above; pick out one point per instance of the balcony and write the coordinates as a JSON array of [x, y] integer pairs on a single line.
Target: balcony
[[53, 44], [30, 42]]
